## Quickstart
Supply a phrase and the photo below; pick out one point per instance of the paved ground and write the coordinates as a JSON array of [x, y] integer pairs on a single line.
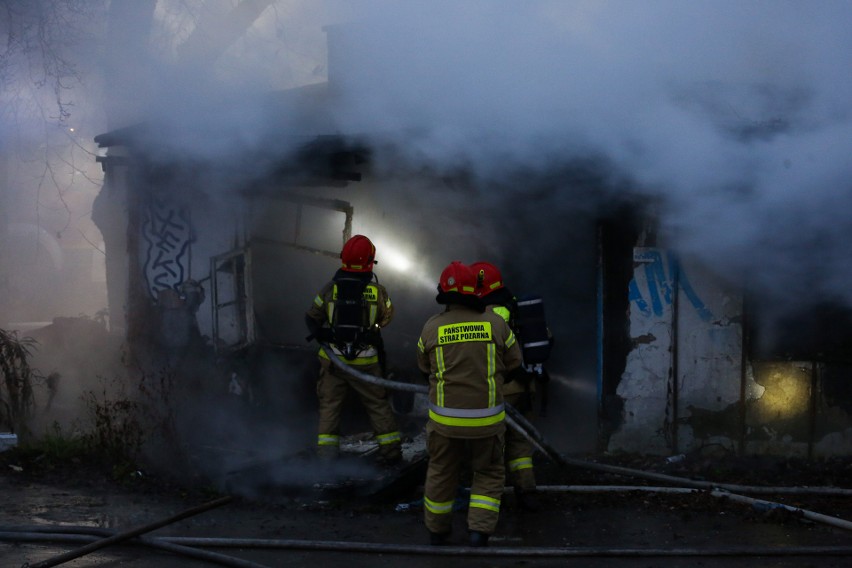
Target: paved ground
[[352, 525]]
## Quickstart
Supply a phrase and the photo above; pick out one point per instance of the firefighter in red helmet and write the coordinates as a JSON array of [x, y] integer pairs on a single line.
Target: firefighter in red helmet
[[519, 388], [346, 316], [466, 351]]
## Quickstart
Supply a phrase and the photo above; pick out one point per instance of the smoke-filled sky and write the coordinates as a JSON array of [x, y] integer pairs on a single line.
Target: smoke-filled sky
[[736, 113]]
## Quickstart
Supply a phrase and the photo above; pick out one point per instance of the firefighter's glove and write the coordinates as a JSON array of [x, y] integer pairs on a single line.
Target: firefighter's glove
[[325, 335], [518, 374]]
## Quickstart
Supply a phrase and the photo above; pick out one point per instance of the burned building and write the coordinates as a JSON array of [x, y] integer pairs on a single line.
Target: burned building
[[656, 351]]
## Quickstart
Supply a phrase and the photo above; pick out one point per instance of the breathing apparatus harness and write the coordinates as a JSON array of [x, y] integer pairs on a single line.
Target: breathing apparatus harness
[[530, 327], [351, 324]]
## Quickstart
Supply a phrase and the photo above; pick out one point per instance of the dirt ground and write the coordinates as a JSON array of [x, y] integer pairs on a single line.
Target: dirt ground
[[365, 517]]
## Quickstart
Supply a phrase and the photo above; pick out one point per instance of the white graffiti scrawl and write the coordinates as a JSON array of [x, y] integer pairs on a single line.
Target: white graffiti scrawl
[[166, 236]]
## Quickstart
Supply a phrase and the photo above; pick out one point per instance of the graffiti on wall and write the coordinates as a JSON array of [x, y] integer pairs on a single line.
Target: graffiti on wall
[[660, 275], [166, 236]]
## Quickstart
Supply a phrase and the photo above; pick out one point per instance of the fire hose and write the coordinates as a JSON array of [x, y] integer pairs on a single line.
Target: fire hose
[[71, 535]]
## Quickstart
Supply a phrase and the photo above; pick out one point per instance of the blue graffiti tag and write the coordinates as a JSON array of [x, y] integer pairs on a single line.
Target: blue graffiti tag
[[661, 287]]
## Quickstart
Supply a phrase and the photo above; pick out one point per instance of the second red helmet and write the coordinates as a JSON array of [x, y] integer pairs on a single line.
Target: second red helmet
[[488, 278]]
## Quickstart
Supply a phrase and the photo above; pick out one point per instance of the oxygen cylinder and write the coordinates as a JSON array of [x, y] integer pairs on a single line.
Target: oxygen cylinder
[[348, 314]]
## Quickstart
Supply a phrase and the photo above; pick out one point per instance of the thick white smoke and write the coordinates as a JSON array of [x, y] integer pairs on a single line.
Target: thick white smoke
[[737, 114]]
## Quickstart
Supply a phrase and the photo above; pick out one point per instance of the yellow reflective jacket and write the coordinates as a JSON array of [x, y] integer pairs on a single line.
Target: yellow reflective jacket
[[467, 354]]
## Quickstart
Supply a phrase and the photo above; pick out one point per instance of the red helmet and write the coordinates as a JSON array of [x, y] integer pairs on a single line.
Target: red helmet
[[488, 278], [457, 277], [358, 254]]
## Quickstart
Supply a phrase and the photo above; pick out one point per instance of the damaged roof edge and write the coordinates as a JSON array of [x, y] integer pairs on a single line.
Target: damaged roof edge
[[120, 136], [321, 159]]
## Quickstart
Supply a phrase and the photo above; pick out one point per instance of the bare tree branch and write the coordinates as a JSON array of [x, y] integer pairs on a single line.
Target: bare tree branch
[[40, 36]]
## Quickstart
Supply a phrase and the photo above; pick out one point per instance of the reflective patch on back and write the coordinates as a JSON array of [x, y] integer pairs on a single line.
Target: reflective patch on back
[[371, 294], [464, 332]]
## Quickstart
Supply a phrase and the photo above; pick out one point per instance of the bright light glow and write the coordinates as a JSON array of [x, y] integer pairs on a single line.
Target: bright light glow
[[391, 257], [394, 259]]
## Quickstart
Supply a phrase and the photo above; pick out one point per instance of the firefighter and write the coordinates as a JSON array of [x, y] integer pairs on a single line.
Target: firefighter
[[519, 388], [466, 351], [347, 316]]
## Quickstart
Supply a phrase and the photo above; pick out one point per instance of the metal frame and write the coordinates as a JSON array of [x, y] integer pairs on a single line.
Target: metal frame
[[237, 263]]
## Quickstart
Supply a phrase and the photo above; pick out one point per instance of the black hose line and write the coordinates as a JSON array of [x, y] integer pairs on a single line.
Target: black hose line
[[86, 535], [414, 549], [372, 379], [126, 535]]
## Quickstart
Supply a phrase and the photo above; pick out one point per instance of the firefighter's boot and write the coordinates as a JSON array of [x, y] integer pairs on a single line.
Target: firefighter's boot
[[390, 456], [478, 539]]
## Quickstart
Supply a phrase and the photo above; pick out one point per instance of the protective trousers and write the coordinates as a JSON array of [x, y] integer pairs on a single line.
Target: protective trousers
[[332, 388], [519, 451], [447, 456]]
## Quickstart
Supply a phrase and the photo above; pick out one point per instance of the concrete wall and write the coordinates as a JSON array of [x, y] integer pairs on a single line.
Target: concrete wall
[[687, 386], [710, 360]]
